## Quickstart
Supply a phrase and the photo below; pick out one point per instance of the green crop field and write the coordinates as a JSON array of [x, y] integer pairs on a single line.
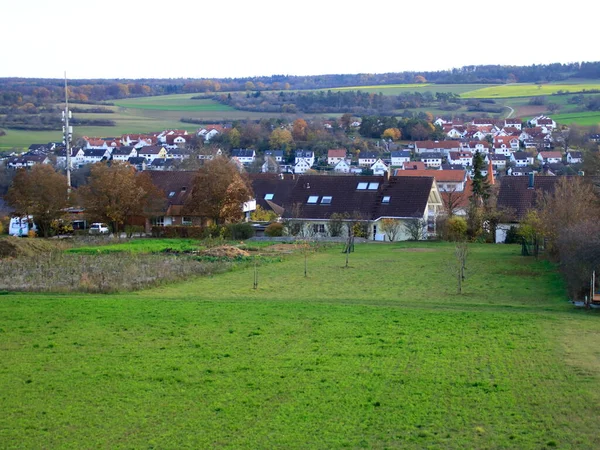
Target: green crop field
[[580, 118], [396, 89], [527, 90], [383, 354]]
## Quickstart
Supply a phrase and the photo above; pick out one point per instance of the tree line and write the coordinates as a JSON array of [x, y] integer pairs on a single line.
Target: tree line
[[18, 91], [116, 194]]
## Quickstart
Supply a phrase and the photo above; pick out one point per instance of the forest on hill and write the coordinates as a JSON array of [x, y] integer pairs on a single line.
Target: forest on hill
[[37, 92]]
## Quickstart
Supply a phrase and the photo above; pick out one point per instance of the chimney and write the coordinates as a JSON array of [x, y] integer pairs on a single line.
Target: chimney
[[531, 180]]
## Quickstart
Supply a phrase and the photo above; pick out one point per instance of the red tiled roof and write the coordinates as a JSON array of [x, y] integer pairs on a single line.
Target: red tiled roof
[[336, 153], [439, 175]]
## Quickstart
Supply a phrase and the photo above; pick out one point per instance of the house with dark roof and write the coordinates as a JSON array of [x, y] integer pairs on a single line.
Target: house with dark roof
[[399, 157], [277, 155], [176, 187], [367, 159], [519, 194], [244, 155], [123, 153], [432, 159], [308, 156], [442, 147], [574, 157], [364, 199], [26, 161], [140, 163]]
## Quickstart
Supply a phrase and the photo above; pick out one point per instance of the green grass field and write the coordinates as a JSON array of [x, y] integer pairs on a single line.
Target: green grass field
[[396, 89], [527, 90], [580, 118], [381, 355]]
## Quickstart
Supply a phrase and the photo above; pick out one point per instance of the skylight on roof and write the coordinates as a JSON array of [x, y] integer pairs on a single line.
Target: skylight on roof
[[326, 200], [362, 186], [373, 186], [313, 199], [386, 199], [171, 194], [269, 196]]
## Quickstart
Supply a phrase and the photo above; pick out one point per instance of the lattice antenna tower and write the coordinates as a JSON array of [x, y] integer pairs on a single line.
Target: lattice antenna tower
[[67, 133]]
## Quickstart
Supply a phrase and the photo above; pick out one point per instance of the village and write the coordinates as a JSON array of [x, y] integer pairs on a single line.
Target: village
[[416, 181]]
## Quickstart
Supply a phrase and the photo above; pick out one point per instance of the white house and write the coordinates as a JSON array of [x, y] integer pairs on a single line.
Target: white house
[[513, 123], [151, 152], [574, 157], [400, 157], [307, 156], [498, 161], [301, 166], [277, 155], [463, 158], [443, 147], [270, 165], [91, 156], [367, 159], [379, 167], [124, 153], [543, 121], [521, 159], [431, 159], [244, 155], [342, 167], [335, 155], [549, 157]]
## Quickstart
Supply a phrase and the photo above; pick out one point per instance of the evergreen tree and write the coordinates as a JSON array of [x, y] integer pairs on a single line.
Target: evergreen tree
[[481, 185]]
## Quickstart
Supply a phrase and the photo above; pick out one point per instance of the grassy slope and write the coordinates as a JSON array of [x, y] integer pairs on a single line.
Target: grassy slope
[[527, 90], [383, 354]]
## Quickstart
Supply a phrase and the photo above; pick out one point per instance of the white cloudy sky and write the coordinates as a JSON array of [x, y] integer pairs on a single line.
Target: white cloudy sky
[[237, 38]]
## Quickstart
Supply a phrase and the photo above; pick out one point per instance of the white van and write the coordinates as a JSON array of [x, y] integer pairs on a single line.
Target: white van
[[19, 226]]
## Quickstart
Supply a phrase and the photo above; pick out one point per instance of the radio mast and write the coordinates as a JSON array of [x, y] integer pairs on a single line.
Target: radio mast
[[67, 133]]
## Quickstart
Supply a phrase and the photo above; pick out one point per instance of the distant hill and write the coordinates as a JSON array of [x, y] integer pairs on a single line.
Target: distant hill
[[39, 91]]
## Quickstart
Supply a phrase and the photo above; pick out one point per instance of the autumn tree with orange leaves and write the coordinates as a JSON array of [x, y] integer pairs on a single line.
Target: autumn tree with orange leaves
[[218, 192]]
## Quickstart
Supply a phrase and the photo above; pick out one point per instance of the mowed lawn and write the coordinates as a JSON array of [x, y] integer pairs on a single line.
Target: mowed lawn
[[383, 354]]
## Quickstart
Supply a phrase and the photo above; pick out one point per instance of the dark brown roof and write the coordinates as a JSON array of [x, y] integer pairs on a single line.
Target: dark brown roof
[[516, 195], [176, 185], [271, 183], [408, 196]]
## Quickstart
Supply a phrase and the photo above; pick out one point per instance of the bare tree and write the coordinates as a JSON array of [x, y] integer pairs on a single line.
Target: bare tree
[[461, 251], [416, 228], [391, 228]]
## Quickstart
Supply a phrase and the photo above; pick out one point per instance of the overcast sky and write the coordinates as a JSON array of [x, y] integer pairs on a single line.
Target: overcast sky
[[201, 39]]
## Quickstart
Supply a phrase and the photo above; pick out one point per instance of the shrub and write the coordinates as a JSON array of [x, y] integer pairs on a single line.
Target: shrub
[[360, 229], [31, 234], [274, 229], [130, 230], [242, 230], [513, 236], [456, 228]]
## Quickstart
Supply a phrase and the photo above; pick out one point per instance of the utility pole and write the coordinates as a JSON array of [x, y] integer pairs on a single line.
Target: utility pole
[[67, 134]]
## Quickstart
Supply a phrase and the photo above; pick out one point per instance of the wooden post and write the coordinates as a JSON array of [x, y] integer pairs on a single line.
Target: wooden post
[[255, 275]]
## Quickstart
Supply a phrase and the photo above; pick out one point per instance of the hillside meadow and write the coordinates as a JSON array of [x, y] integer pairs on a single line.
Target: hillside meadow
[[383, 354]]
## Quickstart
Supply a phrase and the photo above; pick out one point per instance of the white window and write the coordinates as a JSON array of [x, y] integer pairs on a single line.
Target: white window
[[269, 196], [171, 194], [186, 220], [158, 221], [386, 199], [373, 186], [313, 199], [326, 200], [318, 228], [362, 186]]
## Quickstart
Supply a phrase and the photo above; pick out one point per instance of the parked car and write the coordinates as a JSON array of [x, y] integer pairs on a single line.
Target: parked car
[[99, 228]]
